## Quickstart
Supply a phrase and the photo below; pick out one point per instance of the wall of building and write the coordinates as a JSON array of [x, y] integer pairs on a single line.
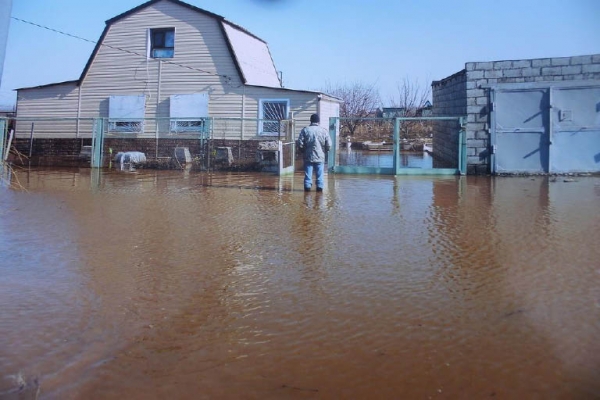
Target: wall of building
[[449, 99]]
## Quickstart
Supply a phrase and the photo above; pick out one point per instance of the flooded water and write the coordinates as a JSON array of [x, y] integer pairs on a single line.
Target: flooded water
[[385, 159], [176, 284]]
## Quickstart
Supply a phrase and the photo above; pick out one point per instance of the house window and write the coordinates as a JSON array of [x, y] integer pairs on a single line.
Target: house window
[[270, 112], [188, 112], [126, 113], [187, 126], [125, 126], [162, 43]]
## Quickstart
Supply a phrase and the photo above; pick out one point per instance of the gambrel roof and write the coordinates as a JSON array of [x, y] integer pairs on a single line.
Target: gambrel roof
[[249, 53]]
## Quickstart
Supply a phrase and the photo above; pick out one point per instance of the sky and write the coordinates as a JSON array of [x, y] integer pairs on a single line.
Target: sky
[[372, 42]]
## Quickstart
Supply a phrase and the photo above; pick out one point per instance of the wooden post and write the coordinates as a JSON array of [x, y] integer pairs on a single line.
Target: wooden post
[[10, 138], [31, 140]]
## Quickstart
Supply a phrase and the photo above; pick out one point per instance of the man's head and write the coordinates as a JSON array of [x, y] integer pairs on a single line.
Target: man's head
[[314, 119]]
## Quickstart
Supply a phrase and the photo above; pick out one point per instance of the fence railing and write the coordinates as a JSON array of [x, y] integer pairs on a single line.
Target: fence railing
[[209, 127], [398, 146], [388, 146]]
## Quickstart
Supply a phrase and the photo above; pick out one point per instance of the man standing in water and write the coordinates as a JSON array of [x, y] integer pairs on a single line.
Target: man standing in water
[[314, 142]]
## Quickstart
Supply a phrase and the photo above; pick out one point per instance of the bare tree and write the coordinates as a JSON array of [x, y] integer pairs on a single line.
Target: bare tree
[[411, 98], [360, 100]]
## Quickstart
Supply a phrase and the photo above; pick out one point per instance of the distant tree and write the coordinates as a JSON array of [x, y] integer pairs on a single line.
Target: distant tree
[[411, 97], [360, 100]]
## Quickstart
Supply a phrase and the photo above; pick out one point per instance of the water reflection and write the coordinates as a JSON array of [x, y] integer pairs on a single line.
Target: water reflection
[[385, 159], [182, 281]]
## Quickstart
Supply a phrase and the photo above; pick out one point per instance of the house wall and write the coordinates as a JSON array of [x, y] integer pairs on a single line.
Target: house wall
[[58, 102], [202, 63], [302, 104], [449, 100], [329, 109]]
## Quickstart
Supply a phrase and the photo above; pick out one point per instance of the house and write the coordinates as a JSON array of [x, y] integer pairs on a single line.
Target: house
[[529, 116], [426, 110], [6, 111], [393, 112], [163, 68], [400, 112]]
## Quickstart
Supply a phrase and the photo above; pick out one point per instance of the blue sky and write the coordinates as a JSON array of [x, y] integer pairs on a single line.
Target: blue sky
[[374, 42]]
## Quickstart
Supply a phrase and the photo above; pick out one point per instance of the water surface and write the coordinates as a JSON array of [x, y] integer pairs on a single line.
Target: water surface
[[180, 284]]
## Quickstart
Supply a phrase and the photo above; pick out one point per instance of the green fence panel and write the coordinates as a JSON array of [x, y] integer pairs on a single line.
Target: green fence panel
[[3, 132], [97, 143]]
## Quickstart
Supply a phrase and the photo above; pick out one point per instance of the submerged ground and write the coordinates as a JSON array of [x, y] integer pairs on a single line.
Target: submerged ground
[[175, 284]]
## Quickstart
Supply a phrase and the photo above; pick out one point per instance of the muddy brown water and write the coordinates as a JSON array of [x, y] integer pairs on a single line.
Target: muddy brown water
[[153, 285]]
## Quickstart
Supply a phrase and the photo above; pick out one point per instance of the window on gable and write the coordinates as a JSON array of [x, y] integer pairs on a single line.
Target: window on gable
[[271, 112], [162, 43]]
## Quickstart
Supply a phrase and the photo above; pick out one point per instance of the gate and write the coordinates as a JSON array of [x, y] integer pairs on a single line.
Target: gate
[[411, 146], [287, 147], [551, 129]]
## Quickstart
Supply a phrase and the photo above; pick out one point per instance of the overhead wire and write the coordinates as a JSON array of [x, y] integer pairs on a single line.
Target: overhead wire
[[228, 78]]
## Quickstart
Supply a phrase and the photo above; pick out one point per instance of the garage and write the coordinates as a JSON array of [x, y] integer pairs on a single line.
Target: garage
[[545, 128]]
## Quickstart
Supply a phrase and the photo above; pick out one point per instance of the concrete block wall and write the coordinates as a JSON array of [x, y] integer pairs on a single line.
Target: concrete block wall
[[449, 97], [467, 93]]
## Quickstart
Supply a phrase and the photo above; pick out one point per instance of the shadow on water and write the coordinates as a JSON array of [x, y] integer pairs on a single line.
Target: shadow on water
[[244, 285]]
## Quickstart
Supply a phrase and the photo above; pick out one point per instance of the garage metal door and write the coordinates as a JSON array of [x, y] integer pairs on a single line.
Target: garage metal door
[[541, 130]]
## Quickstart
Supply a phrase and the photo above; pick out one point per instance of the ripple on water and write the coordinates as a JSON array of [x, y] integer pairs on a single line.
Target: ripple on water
[[167, 276]]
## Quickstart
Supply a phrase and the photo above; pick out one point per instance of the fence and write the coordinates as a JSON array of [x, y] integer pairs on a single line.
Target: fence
[[398, 146], [209, 143]]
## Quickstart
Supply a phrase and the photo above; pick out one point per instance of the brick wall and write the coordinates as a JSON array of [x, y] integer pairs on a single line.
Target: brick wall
[[449, 100]]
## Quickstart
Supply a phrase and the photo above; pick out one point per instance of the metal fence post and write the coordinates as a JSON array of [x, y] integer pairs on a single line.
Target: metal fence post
[[3, 132], [462, 147], [97, 143], [396, 146], [332, 155]]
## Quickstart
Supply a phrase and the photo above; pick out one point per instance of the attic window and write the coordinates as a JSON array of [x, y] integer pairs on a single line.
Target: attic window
[[162, 43]]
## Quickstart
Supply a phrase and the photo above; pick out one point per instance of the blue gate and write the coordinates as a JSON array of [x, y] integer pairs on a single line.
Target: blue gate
[[546, 128], [401, 149]]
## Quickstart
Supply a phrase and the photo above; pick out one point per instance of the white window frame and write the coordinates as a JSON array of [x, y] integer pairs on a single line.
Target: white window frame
[[261, 114]]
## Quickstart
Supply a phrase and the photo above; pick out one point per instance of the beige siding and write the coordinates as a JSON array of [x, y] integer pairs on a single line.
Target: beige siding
[[202, 63], [329, 109], [302, 105], [37, 105]]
